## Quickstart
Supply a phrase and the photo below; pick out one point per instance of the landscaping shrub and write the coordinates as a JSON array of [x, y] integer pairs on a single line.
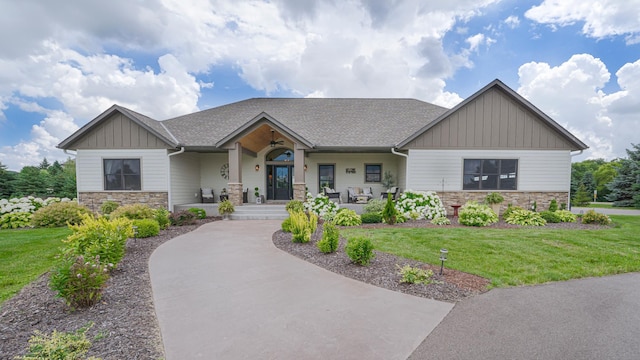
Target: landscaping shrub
[[371, 218], [360, 250], [330, 238], [300, 227], [425, 203], [147, 227], [100, 237], [566, 216], [133, 212], [374, 206], [415, 275], [553, 205], [59, 214], [226, 207], [550, 216], [79, 280], [389, 213], [294, 205], [162, 217], [313, 223], [509, 209], [441, 220], [474, 214], [347, 217], [15, 220], [108, 207], [198, 212], [321, 206], [592, 217], [493, 198], [286, 225], [525, 218], [58, 346], [182, 218]]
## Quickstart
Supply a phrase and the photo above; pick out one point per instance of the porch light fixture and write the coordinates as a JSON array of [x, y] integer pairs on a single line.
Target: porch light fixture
[[257, 167], [305, 167], [443, 258]]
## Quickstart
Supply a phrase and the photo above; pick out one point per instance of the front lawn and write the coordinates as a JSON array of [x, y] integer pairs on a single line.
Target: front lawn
[[522, 256], [25, 255]]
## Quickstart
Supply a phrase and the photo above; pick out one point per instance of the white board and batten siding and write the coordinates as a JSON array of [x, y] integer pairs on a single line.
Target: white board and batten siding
[[538, 170], [153, 162]]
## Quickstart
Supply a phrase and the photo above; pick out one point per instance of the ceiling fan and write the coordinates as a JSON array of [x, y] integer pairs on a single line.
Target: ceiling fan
[[273, 142]]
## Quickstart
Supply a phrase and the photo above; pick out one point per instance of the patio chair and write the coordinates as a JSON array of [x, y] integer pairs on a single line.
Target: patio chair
[[332, 194], [393, 191], [353, 193], [206, 194]]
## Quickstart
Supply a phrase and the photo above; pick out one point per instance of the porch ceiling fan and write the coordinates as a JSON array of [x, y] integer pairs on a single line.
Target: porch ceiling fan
[[273, 142]]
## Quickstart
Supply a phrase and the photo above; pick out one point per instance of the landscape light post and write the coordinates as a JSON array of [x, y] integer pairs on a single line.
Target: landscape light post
[[443, 258]]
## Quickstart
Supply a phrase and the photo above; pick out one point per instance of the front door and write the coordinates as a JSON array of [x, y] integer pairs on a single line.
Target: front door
[[279, 182]]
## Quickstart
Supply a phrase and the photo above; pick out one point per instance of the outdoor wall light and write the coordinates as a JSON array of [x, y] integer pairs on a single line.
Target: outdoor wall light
[[305, 167], [257, 167], [443, 258]]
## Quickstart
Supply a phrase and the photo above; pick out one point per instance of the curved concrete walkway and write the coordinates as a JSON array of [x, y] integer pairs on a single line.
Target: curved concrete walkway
[[225, 291]]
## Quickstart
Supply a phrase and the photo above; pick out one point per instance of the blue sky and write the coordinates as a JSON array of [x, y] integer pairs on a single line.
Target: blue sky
[[579, 61]]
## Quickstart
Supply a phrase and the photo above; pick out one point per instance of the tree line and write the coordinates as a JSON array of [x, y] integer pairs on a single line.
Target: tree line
[[43, 181], [616, 181]]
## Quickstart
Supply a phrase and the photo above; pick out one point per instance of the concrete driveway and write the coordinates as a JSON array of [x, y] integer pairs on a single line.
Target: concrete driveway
[[595, 318], [225, 291]]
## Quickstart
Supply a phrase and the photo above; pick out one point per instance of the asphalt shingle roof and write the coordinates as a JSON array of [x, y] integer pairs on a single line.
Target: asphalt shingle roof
[[323, 122]]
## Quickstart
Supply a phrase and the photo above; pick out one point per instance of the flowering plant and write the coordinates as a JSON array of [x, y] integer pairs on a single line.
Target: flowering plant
[[474, 214], [420, 205], [321, 206], [28, 204]]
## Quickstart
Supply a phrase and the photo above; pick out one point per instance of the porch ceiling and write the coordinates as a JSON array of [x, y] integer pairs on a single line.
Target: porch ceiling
[[260, 138]]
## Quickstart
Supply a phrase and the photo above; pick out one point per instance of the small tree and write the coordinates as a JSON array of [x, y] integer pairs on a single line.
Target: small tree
[[390, 214], [582, 197], [387, 179]]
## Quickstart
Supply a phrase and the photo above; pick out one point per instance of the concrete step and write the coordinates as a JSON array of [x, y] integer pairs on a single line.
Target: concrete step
[[259, 212]]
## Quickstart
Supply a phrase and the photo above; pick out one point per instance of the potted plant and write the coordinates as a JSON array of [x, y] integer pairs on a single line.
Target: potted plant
[[225, 208], [387, 180], [256, 192], [494, 199]]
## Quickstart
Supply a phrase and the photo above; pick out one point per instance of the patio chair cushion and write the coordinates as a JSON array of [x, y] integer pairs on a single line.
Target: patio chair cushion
[[207, 193]]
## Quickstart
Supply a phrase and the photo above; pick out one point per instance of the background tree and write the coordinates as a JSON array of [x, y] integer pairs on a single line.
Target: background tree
[[625, 187], [582, 197], [603, 176], [33, 181], [7, 179]]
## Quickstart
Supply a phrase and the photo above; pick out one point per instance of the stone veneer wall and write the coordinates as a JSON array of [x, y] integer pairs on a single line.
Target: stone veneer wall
[[300, 191], [523, 199], [235, 193], [94, 200]]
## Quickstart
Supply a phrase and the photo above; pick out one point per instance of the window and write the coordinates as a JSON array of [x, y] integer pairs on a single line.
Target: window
[[498, 174], [326, 176], [122, 174], [372, 173]]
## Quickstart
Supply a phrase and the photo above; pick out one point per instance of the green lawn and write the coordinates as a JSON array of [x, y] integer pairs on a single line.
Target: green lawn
[[603, 205], [519, 256], [25, 255]]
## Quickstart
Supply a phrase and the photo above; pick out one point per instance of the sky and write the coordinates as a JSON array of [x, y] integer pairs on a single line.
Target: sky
[[62, 63]]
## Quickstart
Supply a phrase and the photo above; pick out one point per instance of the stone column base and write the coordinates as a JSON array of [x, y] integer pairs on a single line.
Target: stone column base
[[235, 193], [300, 191]]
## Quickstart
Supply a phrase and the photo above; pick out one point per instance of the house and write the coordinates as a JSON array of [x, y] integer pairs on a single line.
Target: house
[[494, 141]]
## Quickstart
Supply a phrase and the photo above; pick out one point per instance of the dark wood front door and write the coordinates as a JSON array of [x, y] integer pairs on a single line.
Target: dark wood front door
[[279, 182]]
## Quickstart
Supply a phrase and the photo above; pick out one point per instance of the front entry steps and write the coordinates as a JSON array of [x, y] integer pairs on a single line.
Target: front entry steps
[[260, 212]]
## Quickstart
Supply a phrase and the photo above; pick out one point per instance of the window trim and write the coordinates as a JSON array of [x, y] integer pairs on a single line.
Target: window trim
[[365, 173], [104, 175], [498, 188]]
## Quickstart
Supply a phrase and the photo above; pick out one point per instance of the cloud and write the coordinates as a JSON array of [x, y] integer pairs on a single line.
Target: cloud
[[512, 21], [601, 18], [572, 94]]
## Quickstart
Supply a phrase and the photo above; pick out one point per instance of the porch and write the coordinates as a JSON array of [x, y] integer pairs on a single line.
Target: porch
[[269, 211]]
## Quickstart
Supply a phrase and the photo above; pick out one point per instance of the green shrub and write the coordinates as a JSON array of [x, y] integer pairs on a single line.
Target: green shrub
[[330, 238], [15, 220], [162, 217], [79, 280], [182, 218], [415, 275], [198, 212], [441, 220], [592, 217], [371, 218], [225, 207], [347, 217], [550, 216], [59, 214], [360, 250], [286, 225], [494, 198], [300, 227], [553, 205], [294, 205], [389, 213], [147, 227], [100, 237], [313, 223], [374, 206], [58, 346], [566, 216], [474, 214], [509, 209], [563, 206], [108, 207], [133, 212], [525, 218]]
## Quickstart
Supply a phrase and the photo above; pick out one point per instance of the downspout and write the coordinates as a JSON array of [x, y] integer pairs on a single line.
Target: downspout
[[169, 201], [77, 191], [406, 175], [569, 196]]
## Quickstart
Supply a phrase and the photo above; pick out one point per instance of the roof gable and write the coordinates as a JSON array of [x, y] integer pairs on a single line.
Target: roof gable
[[496, 117]]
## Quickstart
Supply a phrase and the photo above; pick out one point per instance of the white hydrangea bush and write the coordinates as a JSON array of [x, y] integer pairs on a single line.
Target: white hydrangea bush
[[28, 204], [321, 206], [420, 205]]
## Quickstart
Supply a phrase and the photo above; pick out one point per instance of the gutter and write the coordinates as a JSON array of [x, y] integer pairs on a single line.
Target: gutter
[[406, 168], [70, 154], [569, 195], [393, 151], [169, 202]]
